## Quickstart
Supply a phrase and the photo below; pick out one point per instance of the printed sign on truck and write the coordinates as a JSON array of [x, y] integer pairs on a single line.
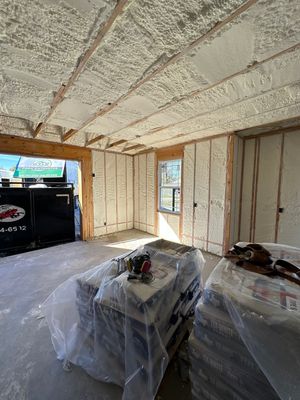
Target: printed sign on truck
[[11, 213]]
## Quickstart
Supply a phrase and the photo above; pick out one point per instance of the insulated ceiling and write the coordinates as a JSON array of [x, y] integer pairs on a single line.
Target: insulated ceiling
[[130, 75]]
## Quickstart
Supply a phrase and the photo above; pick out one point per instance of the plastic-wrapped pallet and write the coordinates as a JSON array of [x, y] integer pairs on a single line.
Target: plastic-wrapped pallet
[[246, 340], [120, 330]]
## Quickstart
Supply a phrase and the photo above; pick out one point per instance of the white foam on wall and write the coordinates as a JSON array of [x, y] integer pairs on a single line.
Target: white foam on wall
[[169, 226], [202, 164], [236, 190], [206, 228], [121, 189], [267, 188], [112, 192], [188, 194], [151, 193], [217, 194], [289, 221], [129, 182], [143, 190], [99, 193], [265, 196], [245, 222], [136, 195]]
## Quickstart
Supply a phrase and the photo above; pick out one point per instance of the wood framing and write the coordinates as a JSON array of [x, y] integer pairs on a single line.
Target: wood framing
[[134, 147], [156, 231], [118, 143], [279, 188], [254, 199], [194, 191], [172, 60], [69, 134], [241, 191], [37, 148], [166, 154], [82, 63], [228, 192], [170, 153], [256, 165], [94, 140], [209, 194], [184, 135], [203, 90], [274, 132]]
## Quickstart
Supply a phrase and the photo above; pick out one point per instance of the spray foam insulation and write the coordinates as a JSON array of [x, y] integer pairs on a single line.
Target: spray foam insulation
[[271, 181], [202, 168], [268, 171], [150, 204], [238, 77], [289, 220], [188, 194], [144, 194], [247, 190], [204, 182], [217, 194], [241, 43], [236, 190], [112, 192], [41, 42]]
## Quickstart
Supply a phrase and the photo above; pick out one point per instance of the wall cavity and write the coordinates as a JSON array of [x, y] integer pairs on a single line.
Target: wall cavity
[[144, 192], [204, 191], [269, 198], [112, 192]]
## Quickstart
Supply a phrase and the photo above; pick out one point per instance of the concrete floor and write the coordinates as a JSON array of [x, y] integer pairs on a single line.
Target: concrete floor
[[29, 368]]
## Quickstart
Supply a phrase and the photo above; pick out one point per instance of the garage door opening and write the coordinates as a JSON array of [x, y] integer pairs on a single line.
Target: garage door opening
[[39, 202]]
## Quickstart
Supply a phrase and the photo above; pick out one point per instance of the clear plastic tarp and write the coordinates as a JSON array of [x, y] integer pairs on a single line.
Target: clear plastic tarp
[[246, 338], [120, 330]]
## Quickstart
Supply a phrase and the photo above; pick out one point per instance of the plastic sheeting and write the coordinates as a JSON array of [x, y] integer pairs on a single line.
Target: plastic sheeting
[[120, 331], [246, 341]]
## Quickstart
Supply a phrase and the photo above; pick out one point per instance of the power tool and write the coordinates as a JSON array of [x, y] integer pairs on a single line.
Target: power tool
[[139, 268]]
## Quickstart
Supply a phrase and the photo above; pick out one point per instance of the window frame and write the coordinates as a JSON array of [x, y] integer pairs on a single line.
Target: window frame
[[159, 186]]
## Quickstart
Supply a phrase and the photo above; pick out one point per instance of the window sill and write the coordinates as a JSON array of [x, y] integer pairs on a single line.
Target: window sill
[[169, 212]]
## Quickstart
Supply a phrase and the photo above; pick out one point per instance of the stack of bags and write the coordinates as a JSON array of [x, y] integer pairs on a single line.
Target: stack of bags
[[245, 340], [126, 327]]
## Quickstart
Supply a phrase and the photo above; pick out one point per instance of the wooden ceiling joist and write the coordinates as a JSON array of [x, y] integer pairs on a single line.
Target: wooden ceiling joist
[[134, 147], [184, 135], [38, 129], [273, 132], [200, 91], [69, 134], [151, 133], [172, 60], [83, 61], [271, 126], [116, 143], [94, 140]]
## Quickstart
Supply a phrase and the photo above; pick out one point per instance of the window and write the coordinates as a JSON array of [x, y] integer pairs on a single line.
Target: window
[[169, 173]]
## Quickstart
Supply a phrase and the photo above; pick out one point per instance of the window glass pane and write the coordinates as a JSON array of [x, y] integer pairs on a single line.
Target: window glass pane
[[170, 173], [170, 181], [166, 199]]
